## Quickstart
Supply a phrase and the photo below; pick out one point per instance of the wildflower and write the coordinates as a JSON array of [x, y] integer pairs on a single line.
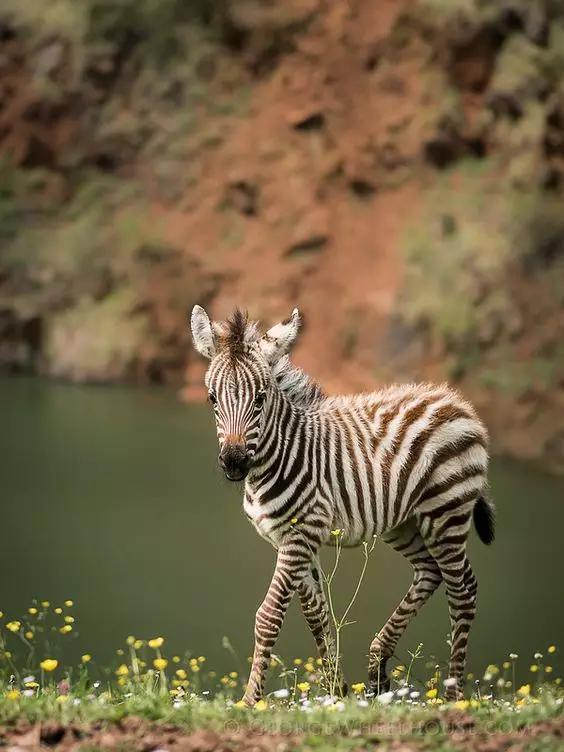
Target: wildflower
[[506, 665], [431, 693], [122, 681], [537, 656], [414, 695], [461, 704], [28, 693], [558, 681], [470, 676], [29, 635], [281, 694], [492, 669], [309, 667], [13, 694], [13, 626], [552, 648], [239, 704], [122, 670], [201, 659], [534, 668], [450, 682], [298, 661], [513, 656], [195, 669], [130, 640], [358, 688], [548, 669], [385, 698], [160, 664], [49, 664], [335, 533], [69, 603], [45, 604], [176, 659], [303, 686], [62, 699], [525, 690], [293, 520], [156, 642], [261, 705], [66, 629], [58, 610], [138, 644], [181, 673], [86, 658], [233, 674], [32, 610], [319, 661]]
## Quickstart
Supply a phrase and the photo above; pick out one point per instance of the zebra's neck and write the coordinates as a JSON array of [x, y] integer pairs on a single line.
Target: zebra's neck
[[283, 421]]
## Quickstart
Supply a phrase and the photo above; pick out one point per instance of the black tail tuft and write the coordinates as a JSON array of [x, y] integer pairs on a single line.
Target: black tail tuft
[[484, 520]]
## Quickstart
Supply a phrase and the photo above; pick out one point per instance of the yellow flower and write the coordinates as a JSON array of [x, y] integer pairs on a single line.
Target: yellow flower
[[86, 658], [61, 699], [335, 533], [548, 669], [7, 654], [58, 610], [293, 520], [525, 690], [201, 659], [122, 681], [534, 668], [195, 668], [160, 664], [309, 667], [31, 685], [431, 693], [176, 659], [358, 688], [45, 604], [69, 603], [122, 670], [240, 704], [32, 610], [298, 661], [470, 676], [69, 619], [13, 626], [181, 673], [319, 661], [552, 648], [13, 694], [492, 669], [29, 635], [138, 644], [558, 681], [49, 664], [303, 686], [506, 664], [66, 629], [461, 704], [233, 674], [261, 705], [130, 640]]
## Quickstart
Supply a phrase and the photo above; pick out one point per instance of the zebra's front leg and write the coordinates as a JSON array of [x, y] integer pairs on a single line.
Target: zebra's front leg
[[292, 565], [316, 613]]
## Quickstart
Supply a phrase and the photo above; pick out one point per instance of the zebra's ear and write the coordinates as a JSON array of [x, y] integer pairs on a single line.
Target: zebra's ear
[[202, 332], [279, 339]]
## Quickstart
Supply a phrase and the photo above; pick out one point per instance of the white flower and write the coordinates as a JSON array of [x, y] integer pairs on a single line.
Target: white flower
[[403, 692], [340, 705], [450, 681], [414, 695], [28, 679], [363, 703], [488, 677], [513, 656], [538, 656], [385, 698], [28, 693], [281, 694]]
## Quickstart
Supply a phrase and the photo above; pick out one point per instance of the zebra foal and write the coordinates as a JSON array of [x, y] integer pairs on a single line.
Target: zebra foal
[[407, 463]]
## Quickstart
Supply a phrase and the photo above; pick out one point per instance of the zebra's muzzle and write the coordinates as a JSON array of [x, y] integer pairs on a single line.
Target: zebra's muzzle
[[235, 461]]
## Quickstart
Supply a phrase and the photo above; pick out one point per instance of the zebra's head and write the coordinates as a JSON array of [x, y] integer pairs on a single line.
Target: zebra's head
[[239, 380]]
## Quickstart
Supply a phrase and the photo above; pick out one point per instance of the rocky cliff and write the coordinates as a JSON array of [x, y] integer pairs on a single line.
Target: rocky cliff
[[394, 168]]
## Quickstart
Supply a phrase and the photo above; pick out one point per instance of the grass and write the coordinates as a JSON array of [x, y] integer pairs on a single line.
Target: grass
[[181, 692]]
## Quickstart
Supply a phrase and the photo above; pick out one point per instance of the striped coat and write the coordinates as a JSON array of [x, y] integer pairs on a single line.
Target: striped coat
[[407, 463]]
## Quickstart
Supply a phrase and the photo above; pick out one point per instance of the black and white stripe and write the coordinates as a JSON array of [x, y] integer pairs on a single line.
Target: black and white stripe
[[407, 463]]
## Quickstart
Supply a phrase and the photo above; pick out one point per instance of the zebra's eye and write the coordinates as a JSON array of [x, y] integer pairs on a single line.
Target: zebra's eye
[[212, 398], [259, 400]]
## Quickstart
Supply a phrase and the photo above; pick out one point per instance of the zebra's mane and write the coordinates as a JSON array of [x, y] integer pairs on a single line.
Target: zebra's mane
[[298, 387], [236, 333]]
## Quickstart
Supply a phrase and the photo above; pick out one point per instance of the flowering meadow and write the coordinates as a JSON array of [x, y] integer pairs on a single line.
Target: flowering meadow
[[147, 681]]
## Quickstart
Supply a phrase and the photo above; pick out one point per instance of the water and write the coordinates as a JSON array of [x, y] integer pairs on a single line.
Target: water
[[112, 497]]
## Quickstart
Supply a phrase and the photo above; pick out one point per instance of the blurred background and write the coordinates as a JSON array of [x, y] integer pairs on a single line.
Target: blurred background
[[394, 168]]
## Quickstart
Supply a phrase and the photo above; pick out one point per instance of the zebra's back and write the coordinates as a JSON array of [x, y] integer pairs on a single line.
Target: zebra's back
[[415, 449]]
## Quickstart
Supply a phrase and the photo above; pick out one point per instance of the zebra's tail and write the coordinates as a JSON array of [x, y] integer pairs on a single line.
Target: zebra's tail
[[484, 520]]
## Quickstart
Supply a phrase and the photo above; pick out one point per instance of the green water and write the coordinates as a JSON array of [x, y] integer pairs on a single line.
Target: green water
[[112, 497]]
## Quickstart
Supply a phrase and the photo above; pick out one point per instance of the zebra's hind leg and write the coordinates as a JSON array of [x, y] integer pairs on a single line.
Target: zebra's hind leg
[[407, 540], [447, 544], [316, 613]]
